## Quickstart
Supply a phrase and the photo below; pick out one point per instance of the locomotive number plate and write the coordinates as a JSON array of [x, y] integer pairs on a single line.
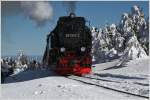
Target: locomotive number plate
[[72, 35]]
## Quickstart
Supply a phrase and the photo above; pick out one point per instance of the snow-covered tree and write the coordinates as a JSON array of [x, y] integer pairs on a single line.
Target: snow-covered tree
[[141, 27], [133, 50], [130, 37]]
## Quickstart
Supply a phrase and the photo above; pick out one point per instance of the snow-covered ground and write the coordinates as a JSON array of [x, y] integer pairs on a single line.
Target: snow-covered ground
[[44, 84], [54, 87], [132, 77]]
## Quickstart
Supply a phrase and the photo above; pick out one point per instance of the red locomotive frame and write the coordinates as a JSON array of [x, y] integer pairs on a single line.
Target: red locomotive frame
[[71, 64]]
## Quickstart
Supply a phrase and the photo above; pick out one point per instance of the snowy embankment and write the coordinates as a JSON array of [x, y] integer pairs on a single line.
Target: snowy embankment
[[46, 85], [132, 77]]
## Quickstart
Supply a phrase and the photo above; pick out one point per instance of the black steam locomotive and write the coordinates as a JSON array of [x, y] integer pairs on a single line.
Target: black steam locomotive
[[68, 46]]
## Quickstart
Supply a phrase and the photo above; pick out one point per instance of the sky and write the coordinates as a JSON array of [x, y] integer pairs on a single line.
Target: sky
[[19, 32]]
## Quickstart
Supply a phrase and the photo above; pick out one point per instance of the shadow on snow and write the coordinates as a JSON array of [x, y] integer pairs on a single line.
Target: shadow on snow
[[118, 76], [29, 75]]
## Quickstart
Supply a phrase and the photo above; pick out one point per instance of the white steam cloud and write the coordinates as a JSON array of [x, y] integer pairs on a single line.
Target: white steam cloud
[[38, 11]]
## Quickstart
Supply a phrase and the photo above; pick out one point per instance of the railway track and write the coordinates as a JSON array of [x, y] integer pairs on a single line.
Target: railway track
[[92, 81]]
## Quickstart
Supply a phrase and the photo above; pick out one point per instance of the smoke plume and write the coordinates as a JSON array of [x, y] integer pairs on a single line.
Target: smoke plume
[[38, 11], [70, 6]]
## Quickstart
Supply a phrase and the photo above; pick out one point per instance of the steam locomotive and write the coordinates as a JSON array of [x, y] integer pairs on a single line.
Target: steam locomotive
[[68, 48]]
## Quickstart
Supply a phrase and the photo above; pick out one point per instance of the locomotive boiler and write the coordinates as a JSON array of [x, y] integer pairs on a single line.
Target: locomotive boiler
[[68, 48]]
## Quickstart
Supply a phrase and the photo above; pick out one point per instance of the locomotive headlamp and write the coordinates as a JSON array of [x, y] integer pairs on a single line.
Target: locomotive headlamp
[[62, 49], [82, 49]]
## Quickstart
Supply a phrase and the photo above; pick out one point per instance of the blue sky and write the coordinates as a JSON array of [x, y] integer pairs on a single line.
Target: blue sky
[[19, 32]]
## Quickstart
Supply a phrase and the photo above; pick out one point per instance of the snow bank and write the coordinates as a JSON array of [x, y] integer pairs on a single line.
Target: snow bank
[[132, 77], [57, 88]]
